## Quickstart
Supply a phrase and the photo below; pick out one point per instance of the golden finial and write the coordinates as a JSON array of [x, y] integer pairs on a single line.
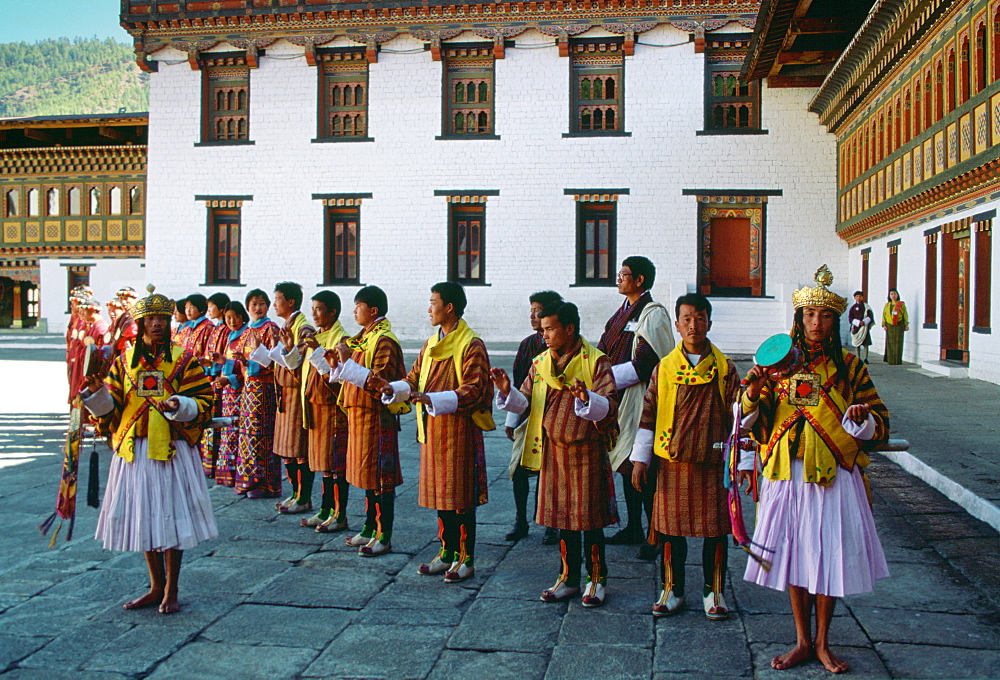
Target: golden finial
[[819, 296], [824, 276], [150, 287]]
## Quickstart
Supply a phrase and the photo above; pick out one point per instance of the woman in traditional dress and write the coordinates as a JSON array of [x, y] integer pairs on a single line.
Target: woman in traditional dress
[[895, 322], [229, 384]]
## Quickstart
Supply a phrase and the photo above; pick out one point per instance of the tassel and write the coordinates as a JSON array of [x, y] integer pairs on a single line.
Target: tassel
[[55, 535], [44, 527], [94, 479], [764, 564]]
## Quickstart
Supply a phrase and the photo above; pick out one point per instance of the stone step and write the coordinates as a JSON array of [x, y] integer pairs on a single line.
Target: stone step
[[949, 369]]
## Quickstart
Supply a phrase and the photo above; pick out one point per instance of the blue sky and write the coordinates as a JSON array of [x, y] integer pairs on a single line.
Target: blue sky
[[34, 20]]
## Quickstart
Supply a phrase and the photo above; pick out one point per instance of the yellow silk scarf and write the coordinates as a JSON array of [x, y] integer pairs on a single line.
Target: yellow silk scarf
[[160, 445], [367, 343], [580, 366], [451, 346], [675, 370], [327, 339]]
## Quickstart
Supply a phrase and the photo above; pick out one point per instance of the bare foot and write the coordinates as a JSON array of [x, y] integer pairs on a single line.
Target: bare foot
[[147, 600], [798, 654], [169, 605], [831, 662]]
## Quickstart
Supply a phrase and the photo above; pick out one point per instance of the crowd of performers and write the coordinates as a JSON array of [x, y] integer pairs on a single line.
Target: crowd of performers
[[311, 397]]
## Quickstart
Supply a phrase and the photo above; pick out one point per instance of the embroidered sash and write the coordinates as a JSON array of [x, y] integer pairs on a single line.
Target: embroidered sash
[[675, 370]]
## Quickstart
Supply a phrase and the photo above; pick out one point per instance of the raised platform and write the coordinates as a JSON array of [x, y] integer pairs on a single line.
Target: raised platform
[[948, 369]]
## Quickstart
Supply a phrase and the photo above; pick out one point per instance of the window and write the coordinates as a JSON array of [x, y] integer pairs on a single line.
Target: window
[[32, 202], [95, 201], [341, 258], [981, 76], [930, 277], [223, 246], [595, 243], [865, 255], [52, 202], [226, 106], [76, 275], [964, 73], [893, 262], [468, 90], [597, 80], [984, 253], [466, 242], [12, 203], [115, 200], [75, 204], [952, 82], [343, 94], [134, 201]]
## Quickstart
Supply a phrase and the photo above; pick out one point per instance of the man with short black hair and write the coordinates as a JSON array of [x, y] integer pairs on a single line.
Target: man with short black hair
[[635, 338]]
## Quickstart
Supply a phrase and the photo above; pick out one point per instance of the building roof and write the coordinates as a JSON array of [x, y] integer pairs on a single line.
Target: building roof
[[99, 129]]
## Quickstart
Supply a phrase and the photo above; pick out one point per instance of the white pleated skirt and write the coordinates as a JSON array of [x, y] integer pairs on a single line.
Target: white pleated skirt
[[821, 538], [156, 505]]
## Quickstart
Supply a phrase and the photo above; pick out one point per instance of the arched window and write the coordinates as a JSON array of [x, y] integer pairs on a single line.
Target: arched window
[[12, 203], [585, 88], [897, 126], [220, 129], [484, 122], [907, 113], [52, 202], [981, 78], [598, 88], [115, 200], [32, 202], [918, 116], [938, 92], [952, 82], [965, 74], [75, 205], [585, 120], [470, 92], [459, 122], [134, 201], [484, 92], [995, 44], [220, 100], [241, 128], [94, 196], [609, 89], [359, 95], [241, 100]]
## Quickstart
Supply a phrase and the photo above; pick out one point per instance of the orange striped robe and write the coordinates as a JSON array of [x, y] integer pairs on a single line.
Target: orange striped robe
[[449, 472], [291, 438], [690, 497], [327, 431], [373, 444], [575, 486]]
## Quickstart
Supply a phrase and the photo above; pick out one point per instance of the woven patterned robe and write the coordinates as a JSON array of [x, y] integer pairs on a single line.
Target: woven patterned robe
[[690, 498], [373, 442], [327, 424], [258, 470], [575, 488], [452, 459], [291, 439]]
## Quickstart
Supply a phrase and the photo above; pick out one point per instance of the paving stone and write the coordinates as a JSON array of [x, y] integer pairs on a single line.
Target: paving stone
[[508, 625], [599, 662], [693, 644], [301, 587], [380, 652], [254, 624], [950, 526], [946, 590], [211, 575], [399, 616], [59, 674], [140, 649], [864, 663], [43, 615], [281, 530], [14, 648], [266, 550], [932, 628], [493, 665], [780, 629], [920, 499], [916, 661], [600, 627], [340, 556], [430, 592], [215, 661], [101, 585], [197, 611], [75, 646]]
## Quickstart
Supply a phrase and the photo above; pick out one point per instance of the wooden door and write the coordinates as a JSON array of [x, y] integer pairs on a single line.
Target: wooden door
[[955, 280], [729, 266], [964, 281]]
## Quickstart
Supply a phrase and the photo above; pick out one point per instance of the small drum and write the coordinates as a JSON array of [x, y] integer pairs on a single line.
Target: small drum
[[779, 357]]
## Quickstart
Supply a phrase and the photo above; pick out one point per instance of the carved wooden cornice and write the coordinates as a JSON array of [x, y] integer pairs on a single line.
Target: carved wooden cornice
[[74, 251], [73, 160]]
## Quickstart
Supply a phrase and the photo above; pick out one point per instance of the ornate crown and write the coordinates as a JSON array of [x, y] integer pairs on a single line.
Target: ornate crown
[[152, 305], [81, 292], [819, 296], [89, 303], [126, 291]]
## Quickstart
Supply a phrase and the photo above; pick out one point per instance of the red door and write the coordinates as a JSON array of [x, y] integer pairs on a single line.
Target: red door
[[729, 268]]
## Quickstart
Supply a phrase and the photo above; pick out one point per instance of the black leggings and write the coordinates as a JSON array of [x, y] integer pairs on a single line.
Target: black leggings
[[675, 551], [457, 531], [574, 546], [380, 511]]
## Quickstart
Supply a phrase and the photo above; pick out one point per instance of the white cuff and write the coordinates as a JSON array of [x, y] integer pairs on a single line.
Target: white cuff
[[400, 392], [186, 412], [292, 359], [512, 420], [442, 403], [100, 402], [625, 375], [318, 360], [353, 372], [514, 402], [275, 354], [747, 459], [595, 409], [262, 356], [863, 431], [642, 447]]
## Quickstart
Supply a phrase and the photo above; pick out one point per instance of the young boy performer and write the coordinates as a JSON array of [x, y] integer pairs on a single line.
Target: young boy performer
[[569, 397], [258, 469], [815, 429], [123, 329], [155, 400], [521, 467], [291, 438], [326, 423], [635, 338], [372, 444], [687, 409], [450, 381], [861, 317], [75, 329]]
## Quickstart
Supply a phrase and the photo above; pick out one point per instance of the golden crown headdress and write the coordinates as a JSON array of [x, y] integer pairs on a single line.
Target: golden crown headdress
[[126, 291], [818, 295], [81, 292], [152, 305]]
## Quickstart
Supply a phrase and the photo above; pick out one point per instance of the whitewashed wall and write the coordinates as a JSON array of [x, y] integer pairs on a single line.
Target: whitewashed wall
[[106, 277], [530, 226]]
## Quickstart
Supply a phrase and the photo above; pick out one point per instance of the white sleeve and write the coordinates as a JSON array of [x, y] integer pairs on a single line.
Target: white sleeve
[[186, 412], [863, 431], [276, 355], [262, 356], [400, 392], [625, 375], [512, 420], [514, 403], [642, 448], [352, 372], [595, 409], [100, 402], [747, 461], [292, 359], [442, 403], [318, 360]]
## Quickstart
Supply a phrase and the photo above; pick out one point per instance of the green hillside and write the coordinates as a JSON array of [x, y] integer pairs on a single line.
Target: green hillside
[[59, 77]]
